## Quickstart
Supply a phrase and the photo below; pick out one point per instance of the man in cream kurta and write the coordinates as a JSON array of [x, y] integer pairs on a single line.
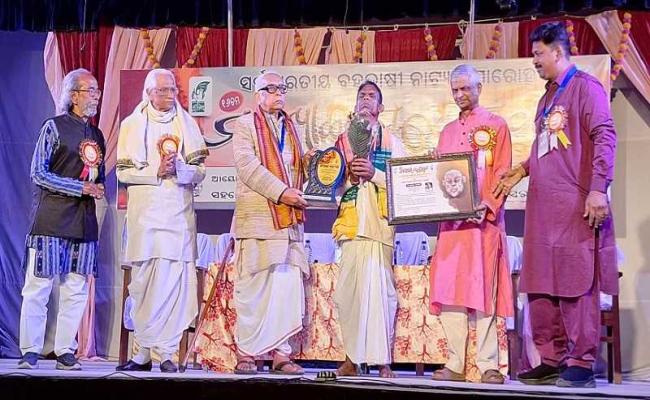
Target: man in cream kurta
[[365, 293], [160, 157], [268, 228]]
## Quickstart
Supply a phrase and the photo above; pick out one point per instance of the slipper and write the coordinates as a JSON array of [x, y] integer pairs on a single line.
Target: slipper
[[278, 369], [245, 371]]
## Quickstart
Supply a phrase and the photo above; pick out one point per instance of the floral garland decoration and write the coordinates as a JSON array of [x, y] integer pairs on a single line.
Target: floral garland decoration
[[494, 43], [148, 48], [622, 46], [431, 48], [197, 48], [358, 47], [572, 37], [298, 50]]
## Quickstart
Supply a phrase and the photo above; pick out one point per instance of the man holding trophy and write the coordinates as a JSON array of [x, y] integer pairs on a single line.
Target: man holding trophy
[[365, 293]]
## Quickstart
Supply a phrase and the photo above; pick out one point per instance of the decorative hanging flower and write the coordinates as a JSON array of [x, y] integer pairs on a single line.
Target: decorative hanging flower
[[431, 48], [197, 48], [298, 50], [623, 46], [570, 29], [358, 47], [495, 42], [148, 48]]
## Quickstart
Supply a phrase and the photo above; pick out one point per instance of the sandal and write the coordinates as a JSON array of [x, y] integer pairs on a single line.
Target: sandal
[[279, 368], [250, 369]]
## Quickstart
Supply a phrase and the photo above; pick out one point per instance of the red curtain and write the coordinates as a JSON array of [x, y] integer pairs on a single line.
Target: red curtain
[[640, 33], [409, 44], [215, 47], [87, 50], [586, 39]]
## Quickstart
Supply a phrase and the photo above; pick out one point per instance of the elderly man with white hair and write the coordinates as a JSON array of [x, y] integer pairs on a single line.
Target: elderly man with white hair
[[160, 155], [469, 274], [68, 170], [268, 227]]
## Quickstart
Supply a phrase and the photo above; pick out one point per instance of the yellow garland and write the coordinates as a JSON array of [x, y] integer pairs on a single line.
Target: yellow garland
[[428, 41], [623, 46], [494, 43], [197, 48], [358, 47], [298, 50]]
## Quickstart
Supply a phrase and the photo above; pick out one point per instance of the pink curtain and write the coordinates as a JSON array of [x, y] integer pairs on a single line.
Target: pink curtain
[[276, 46], [342, 47], [476, 41], [609, 27]]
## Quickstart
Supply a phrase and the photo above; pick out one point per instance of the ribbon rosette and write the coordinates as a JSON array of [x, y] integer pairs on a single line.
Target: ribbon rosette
[[484, 139], [556, 122], [168, 144], [91, 156]]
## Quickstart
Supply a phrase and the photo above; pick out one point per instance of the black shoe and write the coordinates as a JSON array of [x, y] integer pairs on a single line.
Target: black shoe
[[28, 361], [577, 377], [67, 362], [168, 366], [543, 374], [134, 366]]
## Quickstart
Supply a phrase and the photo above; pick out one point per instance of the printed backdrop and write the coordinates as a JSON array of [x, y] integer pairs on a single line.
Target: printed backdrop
[[417, 101]]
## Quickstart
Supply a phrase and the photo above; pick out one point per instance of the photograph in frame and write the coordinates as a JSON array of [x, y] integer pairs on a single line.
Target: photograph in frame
[[424, 189]]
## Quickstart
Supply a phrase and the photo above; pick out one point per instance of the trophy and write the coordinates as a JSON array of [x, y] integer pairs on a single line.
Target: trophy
[[359, 135], [324, 175]]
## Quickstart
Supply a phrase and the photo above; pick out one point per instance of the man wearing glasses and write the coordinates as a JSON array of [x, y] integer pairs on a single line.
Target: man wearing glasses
[[268, 227], [160, 158], [68, 170]]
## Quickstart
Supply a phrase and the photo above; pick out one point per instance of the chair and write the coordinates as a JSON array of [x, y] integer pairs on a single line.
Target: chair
[[609, 318]]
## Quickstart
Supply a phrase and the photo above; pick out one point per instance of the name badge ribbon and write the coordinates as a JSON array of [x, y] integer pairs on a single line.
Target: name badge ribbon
[[168, 144], [484, 139], [91, 156]]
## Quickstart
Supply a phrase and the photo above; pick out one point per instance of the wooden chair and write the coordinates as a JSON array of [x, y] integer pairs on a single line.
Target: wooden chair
[[610, 319]]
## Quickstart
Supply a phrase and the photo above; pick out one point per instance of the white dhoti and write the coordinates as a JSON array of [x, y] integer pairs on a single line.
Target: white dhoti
[[367, 301], [164, 302], [269, 295]]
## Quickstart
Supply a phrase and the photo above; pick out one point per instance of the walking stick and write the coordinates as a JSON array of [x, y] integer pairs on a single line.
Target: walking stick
[[214, 292]]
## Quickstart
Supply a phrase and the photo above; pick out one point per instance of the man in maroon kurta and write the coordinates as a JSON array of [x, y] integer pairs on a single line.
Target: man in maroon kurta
[[571, 166]]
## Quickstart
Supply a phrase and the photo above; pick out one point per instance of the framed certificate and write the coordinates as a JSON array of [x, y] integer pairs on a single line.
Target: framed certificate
[[422, 189]]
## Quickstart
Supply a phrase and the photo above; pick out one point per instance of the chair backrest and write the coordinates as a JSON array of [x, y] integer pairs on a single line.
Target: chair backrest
[[413, 248], [207, 249], [320, 248], [515, 254]]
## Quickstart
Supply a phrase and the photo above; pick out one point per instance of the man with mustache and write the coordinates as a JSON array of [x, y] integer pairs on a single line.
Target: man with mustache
[[160, 157], [569, 244], [365, 292], [268, 226], [68, 170], [469, 276]]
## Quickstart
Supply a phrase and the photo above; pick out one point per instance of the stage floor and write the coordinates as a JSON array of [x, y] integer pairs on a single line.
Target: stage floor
[[98, 375]]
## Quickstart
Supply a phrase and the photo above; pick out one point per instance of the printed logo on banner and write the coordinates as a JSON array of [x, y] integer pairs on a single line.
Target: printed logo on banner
[[200, 96]]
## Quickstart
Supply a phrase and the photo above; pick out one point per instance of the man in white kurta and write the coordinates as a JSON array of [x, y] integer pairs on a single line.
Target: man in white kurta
[[365, 292], [160, 158], [268, 228]]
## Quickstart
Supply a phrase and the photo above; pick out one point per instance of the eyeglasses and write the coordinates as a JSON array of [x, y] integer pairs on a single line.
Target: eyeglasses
[[274, 88], [91, 92], [166, 91]]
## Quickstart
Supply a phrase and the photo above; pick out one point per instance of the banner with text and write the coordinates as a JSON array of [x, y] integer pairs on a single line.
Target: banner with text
[[416, 96]]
